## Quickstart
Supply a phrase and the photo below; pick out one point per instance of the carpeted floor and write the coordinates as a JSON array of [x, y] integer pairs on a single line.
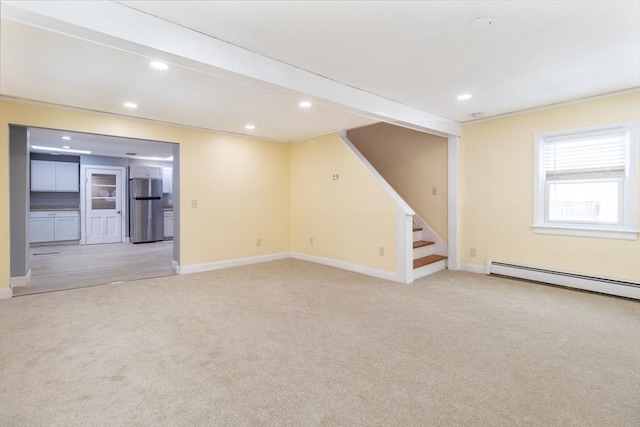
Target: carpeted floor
[[290, 343]]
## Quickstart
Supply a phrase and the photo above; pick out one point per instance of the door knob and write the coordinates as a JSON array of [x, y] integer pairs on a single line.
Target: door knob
[[118, 212]]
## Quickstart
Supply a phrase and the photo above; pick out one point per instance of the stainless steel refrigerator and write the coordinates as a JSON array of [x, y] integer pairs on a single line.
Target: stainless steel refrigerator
[[146, 218]]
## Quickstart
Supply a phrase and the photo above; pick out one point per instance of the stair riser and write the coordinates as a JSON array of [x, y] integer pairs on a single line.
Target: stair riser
[[423, 251], [429, 269], [417, 235]]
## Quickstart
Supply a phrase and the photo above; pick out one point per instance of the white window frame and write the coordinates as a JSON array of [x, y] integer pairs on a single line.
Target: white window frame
[[628, 199]]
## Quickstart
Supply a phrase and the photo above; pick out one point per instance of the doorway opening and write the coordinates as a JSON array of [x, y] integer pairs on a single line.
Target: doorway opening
[[73, 219]]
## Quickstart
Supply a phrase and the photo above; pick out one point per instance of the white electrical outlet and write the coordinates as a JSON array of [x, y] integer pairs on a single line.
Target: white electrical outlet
[[434, 191], [194, 203], [311, 240], [381, 250], [258, 242], [472, 252]]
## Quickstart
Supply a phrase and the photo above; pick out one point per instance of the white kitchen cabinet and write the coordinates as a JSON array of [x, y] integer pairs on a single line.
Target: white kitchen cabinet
[[41, 230], [167, 180], [168, 224], [53, 226], [139, 171], [55, 176]]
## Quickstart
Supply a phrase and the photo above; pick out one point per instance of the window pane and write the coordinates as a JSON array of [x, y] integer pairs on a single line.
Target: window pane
[[585, 201]]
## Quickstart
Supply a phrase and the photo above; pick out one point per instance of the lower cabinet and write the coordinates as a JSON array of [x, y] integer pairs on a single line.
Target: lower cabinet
[[168, 224], [52, 226]]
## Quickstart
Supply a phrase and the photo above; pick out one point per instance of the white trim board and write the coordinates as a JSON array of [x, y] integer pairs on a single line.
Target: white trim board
[[473, 268], [20, 281], [6, 293], [368, 271], [238, 262]]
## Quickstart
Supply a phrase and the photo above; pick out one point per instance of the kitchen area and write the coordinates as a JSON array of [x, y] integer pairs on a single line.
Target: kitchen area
[[96, 219]]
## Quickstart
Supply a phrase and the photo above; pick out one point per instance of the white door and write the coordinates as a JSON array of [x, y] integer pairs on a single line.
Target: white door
[[103, 206]]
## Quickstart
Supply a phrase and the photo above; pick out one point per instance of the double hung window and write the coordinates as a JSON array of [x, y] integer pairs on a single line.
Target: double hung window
[[586, 182]]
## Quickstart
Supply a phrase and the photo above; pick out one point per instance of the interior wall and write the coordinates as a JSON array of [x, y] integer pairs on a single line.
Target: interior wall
[[240, 185], [19, 209], [496, 200], [413, 163], [349, 218]]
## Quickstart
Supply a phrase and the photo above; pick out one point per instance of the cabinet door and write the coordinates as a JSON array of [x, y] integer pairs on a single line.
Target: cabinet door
[[66, 228], [167, 180], [43, 175], [168, 226], [67, 177], [41, 230], [154, 172]]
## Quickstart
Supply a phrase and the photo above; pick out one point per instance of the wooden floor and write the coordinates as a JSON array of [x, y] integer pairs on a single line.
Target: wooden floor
[[68, 267]]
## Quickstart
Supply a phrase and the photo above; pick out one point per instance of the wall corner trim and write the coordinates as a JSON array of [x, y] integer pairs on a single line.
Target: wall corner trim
[[20, 281], [368, 271], [6, 293]]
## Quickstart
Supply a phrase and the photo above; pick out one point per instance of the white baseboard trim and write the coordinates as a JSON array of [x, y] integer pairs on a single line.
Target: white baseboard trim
[[473, 268], [6, 293], [20, 281], [380, 274], [198, 268]]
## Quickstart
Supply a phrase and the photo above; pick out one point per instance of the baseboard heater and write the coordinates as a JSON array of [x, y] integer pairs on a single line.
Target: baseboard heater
[[571, 280]]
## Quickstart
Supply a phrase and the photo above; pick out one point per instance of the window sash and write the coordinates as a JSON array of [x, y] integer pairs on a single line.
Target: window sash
[[547, 197], [570, 156]]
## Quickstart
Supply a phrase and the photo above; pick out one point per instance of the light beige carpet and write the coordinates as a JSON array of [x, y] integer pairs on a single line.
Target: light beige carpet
[[290, 343]]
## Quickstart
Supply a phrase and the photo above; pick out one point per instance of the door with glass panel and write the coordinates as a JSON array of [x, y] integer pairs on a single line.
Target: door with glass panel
[[103, 206]]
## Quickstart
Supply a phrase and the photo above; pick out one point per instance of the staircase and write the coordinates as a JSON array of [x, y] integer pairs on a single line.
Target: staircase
[[425, 262]]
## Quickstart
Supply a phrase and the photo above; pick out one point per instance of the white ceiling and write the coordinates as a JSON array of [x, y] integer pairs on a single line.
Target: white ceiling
[[100, 145], [233, 62]]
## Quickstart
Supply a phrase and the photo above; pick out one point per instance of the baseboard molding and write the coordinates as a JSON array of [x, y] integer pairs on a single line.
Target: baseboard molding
[[199, 268], [380, 274], [6, 293], [473, 268], [20, 281]]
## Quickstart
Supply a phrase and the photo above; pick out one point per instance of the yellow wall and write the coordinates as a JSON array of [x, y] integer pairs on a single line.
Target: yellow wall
[[412, 163], [348, 218], [241, 184], [496, 193]]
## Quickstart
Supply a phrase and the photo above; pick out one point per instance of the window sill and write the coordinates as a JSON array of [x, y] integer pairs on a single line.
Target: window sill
[[586, 232]]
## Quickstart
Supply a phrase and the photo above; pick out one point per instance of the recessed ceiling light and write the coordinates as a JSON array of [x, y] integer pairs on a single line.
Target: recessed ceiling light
[[66, 138], [130, 104], [66, 147], [61, 150], [464, 97], [305, 104], [480, 22], [249, 126], [159, 65]]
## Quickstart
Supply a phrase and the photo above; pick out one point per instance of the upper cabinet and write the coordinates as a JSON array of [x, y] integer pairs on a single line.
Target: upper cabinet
[[138, 171], [55, 176], [167, 180]]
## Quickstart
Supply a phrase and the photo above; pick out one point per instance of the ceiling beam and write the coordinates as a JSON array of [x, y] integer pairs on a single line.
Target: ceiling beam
[[120, 27]]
